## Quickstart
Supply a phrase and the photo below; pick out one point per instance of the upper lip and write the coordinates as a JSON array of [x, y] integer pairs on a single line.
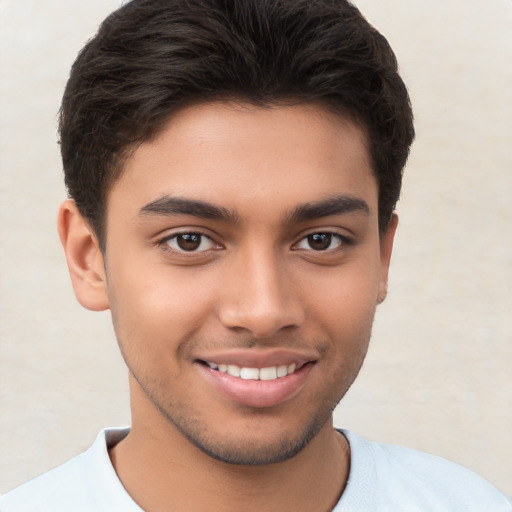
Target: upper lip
[[255, 358]]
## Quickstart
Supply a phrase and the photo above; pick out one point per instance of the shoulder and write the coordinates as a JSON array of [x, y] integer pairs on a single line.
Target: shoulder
[[418, 481], [51, 488], [85, 483]]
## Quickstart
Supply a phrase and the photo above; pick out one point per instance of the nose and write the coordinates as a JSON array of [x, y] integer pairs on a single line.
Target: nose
[[259, 297]]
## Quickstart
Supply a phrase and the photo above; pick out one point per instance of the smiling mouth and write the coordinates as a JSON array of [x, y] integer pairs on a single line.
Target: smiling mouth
[[258, 380], [242, 372]]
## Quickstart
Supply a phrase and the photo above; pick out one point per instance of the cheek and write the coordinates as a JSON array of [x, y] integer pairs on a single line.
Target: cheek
[[344, 310], [157, 308], [348, 295]]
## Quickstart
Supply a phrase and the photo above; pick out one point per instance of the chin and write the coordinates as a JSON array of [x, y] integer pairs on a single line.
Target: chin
[[255, 442], [252, 449]]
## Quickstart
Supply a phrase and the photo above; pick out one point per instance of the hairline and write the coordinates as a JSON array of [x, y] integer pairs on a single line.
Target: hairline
[[119, 161]]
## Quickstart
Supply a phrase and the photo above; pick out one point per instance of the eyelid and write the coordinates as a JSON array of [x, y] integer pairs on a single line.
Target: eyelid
[[163, 242], [305, 240], [343, 239]]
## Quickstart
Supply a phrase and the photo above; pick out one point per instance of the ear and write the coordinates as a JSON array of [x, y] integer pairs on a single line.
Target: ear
[[386, 248], [84, 258]]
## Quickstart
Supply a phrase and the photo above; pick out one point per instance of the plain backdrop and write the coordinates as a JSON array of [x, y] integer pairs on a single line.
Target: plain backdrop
[[438, 375]]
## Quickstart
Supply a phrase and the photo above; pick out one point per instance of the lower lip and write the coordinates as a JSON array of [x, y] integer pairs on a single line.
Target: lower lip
[[257, 393]]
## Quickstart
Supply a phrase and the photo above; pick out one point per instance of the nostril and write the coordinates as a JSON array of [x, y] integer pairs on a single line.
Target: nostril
[[261, 322]]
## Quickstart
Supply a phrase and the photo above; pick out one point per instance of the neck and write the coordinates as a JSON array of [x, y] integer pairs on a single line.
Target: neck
[[158, 466]]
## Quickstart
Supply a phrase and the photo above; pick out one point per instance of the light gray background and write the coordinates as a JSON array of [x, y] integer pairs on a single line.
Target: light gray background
[[438, 375]]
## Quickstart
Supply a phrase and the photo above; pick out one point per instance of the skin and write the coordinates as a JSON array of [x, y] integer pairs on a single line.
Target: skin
[[257, 284]]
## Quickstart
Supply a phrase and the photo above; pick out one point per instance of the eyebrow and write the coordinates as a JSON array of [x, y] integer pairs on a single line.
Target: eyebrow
[[336, 205], [168, 205]]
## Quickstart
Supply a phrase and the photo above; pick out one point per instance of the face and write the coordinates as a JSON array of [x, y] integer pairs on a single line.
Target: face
[[243, 267]]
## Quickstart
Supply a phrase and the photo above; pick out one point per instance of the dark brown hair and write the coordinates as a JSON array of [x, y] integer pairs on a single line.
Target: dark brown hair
[[151, 57]]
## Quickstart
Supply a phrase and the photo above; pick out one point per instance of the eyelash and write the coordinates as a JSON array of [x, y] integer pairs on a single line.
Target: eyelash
[[165, 243], [342, 240]]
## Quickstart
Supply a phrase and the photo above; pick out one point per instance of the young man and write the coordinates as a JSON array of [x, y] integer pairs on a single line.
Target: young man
[[233, 166]]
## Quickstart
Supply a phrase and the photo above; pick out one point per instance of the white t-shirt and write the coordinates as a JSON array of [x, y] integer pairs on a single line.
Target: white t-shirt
[[383, 478]]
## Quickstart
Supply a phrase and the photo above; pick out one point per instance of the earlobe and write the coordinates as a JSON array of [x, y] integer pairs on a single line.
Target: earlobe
[[84, 258], [386, 248]]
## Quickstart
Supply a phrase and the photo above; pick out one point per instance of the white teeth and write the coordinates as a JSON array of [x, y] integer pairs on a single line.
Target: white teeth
[[234, 370], [250, 373], [282, 371], [269, 373]]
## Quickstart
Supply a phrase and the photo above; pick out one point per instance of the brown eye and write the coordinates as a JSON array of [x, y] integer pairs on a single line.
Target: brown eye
[[190, 242], [320, 242]]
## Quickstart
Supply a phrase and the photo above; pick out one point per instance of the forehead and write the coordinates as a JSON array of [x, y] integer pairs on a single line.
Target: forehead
[[239, 155]]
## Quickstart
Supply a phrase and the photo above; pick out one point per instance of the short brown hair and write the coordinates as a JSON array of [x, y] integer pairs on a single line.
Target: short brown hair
[[151, 57]]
